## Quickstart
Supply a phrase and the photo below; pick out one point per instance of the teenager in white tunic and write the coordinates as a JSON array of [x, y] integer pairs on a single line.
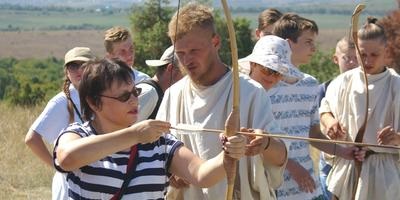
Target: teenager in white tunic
[[295, 106], [61, 110], [204, 99], [342, 112], [109, 158]]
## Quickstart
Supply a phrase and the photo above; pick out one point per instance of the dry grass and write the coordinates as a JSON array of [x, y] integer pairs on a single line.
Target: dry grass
[[43, 44], [22, 175]]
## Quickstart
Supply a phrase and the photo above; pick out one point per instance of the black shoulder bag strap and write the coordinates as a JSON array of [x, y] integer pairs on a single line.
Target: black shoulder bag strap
[[160, 94]]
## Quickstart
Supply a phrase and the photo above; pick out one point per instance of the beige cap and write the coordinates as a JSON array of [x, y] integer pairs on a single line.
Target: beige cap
[[78, 54], [167, 57]]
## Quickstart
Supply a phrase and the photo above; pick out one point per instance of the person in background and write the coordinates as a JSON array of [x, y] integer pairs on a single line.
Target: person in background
[[118, 44], [112, 157], [266, 20], [342, 112], [295, 106], [168, 71], [61, 110], [345, 58], [204, 98]]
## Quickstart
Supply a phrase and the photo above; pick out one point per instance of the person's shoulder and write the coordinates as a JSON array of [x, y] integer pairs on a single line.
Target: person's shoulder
[[309, 78], [59, 98], [139, 76], [179, 85]]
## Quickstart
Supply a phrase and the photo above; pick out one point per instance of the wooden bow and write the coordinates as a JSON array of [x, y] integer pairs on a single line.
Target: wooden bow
[[361, 131], [233, 121]]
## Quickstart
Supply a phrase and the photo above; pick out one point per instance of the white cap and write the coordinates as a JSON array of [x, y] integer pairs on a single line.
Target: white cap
[[274, 53], [167, 57]]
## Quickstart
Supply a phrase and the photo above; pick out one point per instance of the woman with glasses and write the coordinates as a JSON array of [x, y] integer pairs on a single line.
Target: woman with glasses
[[61, 110], [110, 156]]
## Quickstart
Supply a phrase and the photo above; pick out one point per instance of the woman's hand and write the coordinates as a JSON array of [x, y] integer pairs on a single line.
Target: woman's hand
[[353, 153], [388, 136], [334, 130], [149, 130]]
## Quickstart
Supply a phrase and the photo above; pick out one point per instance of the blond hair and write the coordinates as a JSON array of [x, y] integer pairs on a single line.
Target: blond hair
[[344, 44], [114, 35], [191, 16], [372, 30]]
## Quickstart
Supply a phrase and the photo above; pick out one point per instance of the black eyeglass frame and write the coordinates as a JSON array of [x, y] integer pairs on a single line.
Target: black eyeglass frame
[[125, 96]]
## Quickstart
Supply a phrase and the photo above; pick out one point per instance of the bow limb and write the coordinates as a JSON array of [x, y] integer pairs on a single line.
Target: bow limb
[[361, 131], [232, 123]]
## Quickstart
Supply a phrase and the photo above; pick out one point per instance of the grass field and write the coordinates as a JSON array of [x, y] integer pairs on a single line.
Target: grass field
[[38, 20], [22, 175]]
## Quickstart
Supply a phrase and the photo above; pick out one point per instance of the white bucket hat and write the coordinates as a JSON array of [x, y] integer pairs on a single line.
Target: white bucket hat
[[274, 53], [167, 57]]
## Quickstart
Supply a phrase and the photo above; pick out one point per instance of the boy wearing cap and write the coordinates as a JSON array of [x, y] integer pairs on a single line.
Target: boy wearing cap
[[167, 73], [61, 110], [295, 106], [118, 44]]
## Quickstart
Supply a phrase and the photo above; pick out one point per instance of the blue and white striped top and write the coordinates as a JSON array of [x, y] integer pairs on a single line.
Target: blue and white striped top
[[103, 178], [295, 108]]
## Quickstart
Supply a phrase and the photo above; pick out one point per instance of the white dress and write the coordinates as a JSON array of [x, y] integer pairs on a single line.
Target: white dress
[[345, 99], [208, 107]]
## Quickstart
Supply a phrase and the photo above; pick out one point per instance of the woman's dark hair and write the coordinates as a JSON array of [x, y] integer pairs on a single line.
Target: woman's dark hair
[[98, 76], [372, 30]]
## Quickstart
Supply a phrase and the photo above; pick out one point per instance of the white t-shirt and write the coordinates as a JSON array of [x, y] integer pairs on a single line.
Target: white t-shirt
[[49, 124], [147, 101], [139, 76], [55, 116]]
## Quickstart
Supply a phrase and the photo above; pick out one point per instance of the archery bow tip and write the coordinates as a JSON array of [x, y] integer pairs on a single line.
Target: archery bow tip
[[359, 8]]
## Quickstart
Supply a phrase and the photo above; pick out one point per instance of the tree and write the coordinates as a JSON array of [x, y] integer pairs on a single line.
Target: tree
[[150, 25], [321, 66], [391, 24]]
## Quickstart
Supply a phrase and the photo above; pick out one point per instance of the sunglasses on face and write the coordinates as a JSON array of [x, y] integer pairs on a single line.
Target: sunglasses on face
[[127, 95], [270, 72], [74, 66]]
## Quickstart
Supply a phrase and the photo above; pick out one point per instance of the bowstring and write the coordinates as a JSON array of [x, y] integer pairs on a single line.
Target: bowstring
[[169, 96]]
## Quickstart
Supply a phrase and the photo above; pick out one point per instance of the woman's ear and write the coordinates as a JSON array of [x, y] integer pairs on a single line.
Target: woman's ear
[[93, 105]]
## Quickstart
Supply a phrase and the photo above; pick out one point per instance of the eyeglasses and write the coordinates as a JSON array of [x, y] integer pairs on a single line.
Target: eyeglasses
[[126, 96], [270, 72], [74, 66]]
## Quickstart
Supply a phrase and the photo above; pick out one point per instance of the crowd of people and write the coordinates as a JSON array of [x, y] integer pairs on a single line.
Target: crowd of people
[[112, 126]]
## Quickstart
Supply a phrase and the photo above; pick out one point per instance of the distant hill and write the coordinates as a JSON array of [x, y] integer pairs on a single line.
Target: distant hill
[[127, 3]]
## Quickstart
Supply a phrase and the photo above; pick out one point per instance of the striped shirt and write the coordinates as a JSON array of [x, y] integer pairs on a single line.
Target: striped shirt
[[103, 178], [295, 108]]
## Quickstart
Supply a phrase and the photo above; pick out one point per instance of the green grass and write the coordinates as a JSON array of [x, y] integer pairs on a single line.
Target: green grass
[[39, 20]]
